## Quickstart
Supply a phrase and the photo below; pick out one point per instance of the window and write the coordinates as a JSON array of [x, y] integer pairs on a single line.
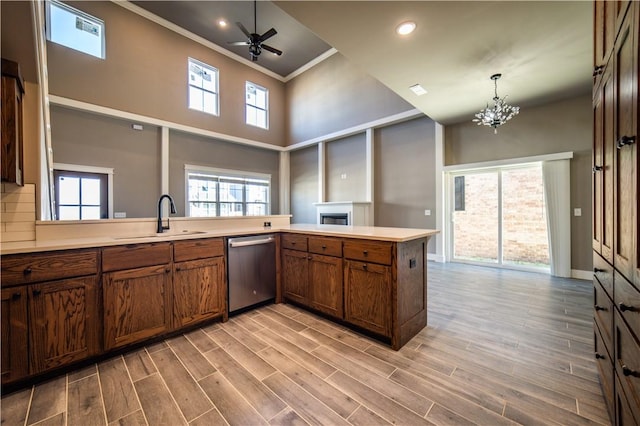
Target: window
[[81, 195], [203, 87], [75, 29], [213, 192], [257, 105]]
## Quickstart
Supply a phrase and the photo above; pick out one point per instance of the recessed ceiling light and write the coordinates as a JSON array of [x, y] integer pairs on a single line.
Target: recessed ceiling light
[[222, 23], [406, 28], [418, 90]]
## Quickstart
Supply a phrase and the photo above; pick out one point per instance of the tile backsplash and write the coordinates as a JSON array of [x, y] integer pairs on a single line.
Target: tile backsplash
[[17, 212]]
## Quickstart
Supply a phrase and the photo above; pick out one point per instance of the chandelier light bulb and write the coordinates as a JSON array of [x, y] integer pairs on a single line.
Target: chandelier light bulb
[[500, 113]]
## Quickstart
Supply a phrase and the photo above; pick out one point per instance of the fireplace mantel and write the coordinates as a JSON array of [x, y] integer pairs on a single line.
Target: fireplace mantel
[[358, 212]]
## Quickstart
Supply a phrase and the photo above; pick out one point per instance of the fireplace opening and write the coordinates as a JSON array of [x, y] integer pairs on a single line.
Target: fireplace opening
[[334, 218]]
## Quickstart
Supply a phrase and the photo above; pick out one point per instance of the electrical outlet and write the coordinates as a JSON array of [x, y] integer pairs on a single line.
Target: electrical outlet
[[577, 212], [427, 212], [120, 215], [343, 176]]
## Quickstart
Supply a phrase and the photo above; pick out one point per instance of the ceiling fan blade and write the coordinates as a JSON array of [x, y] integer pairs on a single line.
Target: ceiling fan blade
[[272, 49], [238, 43], [243, 29], [268, 34]]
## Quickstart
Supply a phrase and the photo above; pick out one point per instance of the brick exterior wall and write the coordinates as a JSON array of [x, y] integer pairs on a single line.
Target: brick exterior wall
[[524, 218]]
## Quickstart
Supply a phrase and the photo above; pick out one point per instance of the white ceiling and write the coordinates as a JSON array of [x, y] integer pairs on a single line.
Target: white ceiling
[[542, 48]]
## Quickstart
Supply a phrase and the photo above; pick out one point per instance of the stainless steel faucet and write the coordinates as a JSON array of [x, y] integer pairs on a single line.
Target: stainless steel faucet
[[162, 228]]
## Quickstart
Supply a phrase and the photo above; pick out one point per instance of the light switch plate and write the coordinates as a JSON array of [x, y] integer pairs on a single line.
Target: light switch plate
[[577, 212], [427, 212]]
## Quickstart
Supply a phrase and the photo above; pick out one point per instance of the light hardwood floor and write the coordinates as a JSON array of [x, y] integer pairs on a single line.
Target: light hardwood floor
[[501, 347]]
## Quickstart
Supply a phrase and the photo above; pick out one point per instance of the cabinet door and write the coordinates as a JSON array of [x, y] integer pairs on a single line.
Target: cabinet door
[[603, 177], [62, 323], [626, 142], [137, 304], [295, 275], [199, 291], [604, 35], [367, 293], [11, 111], [325, 284], [14, 334]]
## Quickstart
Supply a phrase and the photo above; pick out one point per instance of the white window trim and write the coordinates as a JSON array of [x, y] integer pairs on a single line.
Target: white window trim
[[216, 71], [266, 110], [92, 169], [82, 14], [191, 168]]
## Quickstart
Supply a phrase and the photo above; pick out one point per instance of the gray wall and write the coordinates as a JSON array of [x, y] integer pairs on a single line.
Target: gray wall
[[196, 150], [346, 157], [404, 173], [92, 140], [556, 127], [304, 184], [145, 72], [335, 95]]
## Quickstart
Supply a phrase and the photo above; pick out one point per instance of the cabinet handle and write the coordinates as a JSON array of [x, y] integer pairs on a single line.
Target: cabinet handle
[[629, 372], [16, 296], [309, 258], [600, 308], [293, 243], [598, 356], [624, 308], [36, 292], [365, 252], [625, 140], [324, 247], [178, 268], [596, 270], [167, 270], [364, 266], [597, 70], [596, 169], [27, 270]]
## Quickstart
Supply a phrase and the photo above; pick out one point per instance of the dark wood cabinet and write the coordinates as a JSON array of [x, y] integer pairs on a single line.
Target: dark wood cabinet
[[295, 276], [367, 289], [199, 286], [11, 158], [49, 305], [62, 322], [325, 284], [15, 361], [137, 297], [616, 231]]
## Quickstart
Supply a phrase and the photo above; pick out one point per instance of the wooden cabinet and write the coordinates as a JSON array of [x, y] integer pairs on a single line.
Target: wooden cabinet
[[49, 306], [312, 272], [62, 322], [367, 289], [616, 224], [15, 361], [137, 300], [11, 158], [199, 285]]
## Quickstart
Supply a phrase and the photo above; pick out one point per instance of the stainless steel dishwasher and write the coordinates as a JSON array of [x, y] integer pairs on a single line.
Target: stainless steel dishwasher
[[252, 271]]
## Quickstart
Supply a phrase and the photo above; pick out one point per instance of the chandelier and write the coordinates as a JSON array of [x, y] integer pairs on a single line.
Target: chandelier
[[500, 113]]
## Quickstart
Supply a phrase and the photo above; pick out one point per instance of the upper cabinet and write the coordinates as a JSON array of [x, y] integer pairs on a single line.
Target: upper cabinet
[[12, 92]]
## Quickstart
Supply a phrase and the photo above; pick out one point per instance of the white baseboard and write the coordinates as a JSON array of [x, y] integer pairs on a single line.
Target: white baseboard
[[435, 257], [582, 275]]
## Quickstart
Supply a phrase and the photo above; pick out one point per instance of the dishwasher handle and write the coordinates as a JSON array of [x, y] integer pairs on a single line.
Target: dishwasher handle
[[234, 244]]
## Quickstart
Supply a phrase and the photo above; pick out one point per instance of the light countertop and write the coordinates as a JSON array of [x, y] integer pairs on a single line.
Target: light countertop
[[362, 232]]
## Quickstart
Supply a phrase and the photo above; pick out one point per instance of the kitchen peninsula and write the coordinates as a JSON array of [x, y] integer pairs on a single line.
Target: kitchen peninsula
[[74, 293]]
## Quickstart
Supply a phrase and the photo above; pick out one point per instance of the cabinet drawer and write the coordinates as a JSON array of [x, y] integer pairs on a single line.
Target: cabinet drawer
[[326, 246], [36, 267], [605, 366], [366, 251], [627, 299], [135, 256], [604, 273], [294, 242], [627, 361], [197, 249], [603, 313]]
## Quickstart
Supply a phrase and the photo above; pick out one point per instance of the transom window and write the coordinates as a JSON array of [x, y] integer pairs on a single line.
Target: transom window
[[215, 192], [257, 105], [75, 29], [203, 87]]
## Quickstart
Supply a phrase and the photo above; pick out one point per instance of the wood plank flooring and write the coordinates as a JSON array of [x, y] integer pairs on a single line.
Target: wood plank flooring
[[501, 348]]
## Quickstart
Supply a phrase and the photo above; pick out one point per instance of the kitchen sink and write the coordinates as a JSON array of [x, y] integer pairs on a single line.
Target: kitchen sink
[[159, 235]]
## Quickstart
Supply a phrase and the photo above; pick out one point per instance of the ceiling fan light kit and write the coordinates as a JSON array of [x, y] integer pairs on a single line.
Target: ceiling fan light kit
[[255, 41], [500, 113]]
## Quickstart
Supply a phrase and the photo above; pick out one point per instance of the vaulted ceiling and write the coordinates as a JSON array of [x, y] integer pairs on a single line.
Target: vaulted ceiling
[[543, 49]]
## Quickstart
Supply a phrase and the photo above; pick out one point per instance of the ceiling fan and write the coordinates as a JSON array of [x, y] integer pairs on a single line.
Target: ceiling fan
[[255, 40]]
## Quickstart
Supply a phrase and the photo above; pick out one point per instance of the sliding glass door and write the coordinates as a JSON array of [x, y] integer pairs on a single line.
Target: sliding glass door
[[499, 217]]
